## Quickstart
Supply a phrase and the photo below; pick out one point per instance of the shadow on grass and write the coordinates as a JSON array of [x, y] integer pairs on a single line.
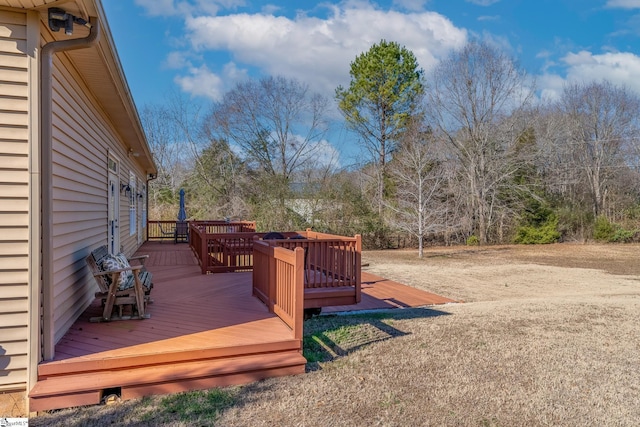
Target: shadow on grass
[[329, 337]]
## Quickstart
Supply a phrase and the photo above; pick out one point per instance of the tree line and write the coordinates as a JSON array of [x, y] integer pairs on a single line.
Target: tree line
[[466, 153]]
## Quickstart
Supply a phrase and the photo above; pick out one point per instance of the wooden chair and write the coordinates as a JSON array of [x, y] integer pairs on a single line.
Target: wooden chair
[[182, 232], [166, 233], [133, 292]]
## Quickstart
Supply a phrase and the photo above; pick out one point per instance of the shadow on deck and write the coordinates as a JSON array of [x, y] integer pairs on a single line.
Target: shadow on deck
[[205, 331]]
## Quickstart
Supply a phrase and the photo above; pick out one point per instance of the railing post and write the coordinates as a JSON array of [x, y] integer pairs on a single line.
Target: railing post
[[298, 293], [204, 250], [358, 266], [271, 277]]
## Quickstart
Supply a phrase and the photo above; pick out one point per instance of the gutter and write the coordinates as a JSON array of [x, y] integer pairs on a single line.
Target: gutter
[[46, 167]]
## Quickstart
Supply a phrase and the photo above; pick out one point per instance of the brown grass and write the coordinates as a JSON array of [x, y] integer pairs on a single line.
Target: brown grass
[[547, 336]]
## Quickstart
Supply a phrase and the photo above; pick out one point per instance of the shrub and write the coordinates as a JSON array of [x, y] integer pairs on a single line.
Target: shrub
[[603, 230], [473, 240], [543, 234], [623, 236], [606, 231], [573, 223]]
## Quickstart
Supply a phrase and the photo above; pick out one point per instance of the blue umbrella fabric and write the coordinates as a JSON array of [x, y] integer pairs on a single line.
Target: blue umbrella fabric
[[182, 213]]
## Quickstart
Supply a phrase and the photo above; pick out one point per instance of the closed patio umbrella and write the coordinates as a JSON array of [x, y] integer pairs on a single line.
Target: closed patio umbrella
[[182, 213], [182, 229]]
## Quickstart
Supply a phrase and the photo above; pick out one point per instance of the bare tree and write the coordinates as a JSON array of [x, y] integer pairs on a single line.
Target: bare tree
[[475, 98], [601, 126], [276, 122], [217, 183], [166, 142], [277, 126], [421, 202]]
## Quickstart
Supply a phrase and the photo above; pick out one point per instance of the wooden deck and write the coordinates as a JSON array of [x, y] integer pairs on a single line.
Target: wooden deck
[[205, 331]]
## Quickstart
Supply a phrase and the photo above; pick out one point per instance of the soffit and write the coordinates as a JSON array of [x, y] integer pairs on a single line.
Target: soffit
[[101, 70]]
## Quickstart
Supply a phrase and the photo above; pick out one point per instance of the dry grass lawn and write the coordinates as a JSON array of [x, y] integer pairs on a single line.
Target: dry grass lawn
[[546, 336]]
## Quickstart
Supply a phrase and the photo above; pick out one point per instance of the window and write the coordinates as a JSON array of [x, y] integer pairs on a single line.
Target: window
[[113, 165], [133, 203]]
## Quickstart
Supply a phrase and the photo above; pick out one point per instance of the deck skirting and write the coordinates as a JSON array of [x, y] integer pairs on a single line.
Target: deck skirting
[[89, 387]]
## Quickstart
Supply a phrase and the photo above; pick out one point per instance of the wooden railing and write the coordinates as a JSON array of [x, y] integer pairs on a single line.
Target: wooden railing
[[330, 260], [331, 264], [223, 252], [165, 230], [212, 227], [198, 244], [278, 280], [161, 230]]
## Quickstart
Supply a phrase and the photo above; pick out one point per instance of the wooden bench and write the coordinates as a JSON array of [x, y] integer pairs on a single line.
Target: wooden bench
[[132, 293]]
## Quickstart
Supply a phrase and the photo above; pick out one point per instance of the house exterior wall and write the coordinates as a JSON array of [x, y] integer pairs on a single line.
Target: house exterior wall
[[15, 69], [83, 140]]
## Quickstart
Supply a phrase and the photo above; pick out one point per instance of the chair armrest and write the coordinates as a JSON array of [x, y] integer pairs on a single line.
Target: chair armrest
[[141, 258], [120, 270]]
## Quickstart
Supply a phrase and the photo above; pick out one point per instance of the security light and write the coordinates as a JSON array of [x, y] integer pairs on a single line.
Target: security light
[[58, 18]]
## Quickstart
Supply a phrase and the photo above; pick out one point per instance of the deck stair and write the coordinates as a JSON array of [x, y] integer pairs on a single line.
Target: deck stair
[[86, 383]]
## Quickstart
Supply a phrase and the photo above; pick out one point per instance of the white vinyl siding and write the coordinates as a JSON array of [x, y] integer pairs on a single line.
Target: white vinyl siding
[[14, 201], [83, 138]]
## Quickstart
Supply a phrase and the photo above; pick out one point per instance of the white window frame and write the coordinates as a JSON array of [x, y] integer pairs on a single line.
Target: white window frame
[[133, 205]]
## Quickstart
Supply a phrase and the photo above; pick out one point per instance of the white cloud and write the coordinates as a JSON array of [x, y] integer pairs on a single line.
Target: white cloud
[[544, 54], [232, 74], [619, 68], [551, 87], [227, 4], [326, 154], [319, 51], [177, 60], [483, 2], [201, 82], [623, 4], [499, 42]]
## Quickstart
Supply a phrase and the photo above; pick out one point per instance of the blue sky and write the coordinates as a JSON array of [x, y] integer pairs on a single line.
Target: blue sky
[[201, 48]]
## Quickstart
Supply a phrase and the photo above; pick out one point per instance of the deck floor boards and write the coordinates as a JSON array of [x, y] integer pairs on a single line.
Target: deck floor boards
[[194, 311], [191, 311]]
